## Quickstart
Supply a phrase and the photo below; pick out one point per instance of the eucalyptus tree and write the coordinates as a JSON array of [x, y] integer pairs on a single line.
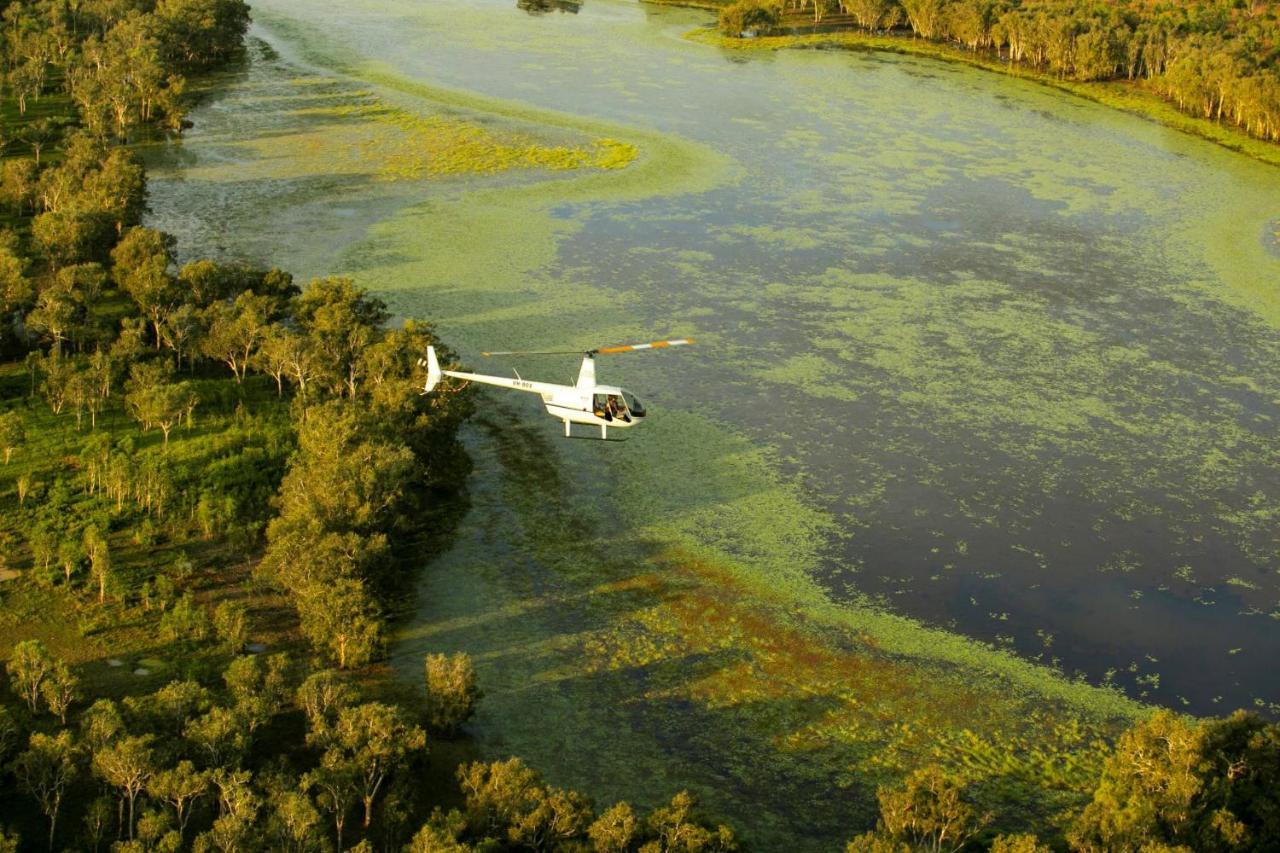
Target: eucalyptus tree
[[336, 785], [452, 692], [340, 618], [230, 623], [141, 268], [615, 830], [341, 320], [294, 821], [98, 550], [322, 696], [155, 401], [376, 740], [101, 724], [46, 770], [28, 666], [925, 16], [13, 433], [39, 134], [258, 691], [126, 764], [1186, 784], [221, 734], [236, 331], [16, 289], [57, 309], [930, 812], [60, 689], [18, 182]]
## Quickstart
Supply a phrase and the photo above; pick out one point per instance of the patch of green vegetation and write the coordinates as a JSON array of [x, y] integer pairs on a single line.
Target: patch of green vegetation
[[341, 130], [1129, 97], [206, 555]]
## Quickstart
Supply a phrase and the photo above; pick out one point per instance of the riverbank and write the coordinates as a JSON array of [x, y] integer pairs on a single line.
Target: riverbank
[[1124, 96]]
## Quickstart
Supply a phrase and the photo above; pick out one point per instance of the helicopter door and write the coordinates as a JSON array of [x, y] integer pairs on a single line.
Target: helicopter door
[[617, 406], [610, 406]]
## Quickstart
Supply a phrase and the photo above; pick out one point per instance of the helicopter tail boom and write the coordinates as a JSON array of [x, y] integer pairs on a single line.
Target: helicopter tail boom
[[435, 374]]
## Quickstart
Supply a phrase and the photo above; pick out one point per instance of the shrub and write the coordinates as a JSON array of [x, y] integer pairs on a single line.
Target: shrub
[[451, 691], [748, 15], [186, 620]]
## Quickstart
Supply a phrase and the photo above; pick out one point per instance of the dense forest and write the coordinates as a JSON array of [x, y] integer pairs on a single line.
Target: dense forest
[[215, 481], [1219, 61]]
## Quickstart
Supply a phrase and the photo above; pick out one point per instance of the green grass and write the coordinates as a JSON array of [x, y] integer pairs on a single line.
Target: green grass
[[56, 106], [68, 618]]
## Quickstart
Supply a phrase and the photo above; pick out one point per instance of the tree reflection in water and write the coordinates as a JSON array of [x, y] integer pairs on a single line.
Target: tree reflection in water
[[541, 7]]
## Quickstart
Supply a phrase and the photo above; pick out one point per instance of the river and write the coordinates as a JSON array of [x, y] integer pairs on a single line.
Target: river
[[970, 351]]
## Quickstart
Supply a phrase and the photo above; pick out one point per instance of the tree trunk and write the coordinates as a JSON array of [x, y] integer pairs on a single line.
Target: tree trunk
[[53, 816]]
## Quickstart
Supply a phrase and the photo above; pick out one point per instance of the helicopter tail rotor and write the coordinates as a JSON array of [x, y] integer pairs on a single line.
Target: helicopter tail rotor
[[432, 364]]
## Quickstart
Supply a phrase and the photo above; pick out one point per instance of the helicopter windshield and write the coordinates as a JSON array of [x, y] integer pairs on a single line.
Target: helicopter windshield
[[634, 404]]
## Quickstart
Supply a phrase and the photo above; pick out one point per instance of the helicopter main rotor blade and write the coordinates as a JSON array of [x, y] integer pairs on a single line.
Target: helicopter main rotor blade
[[678, 342], [535, 352]]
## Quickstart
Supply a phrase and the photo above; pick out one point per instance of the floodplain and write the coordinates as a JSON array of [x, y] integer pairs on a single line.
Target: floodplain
[[977, 452]]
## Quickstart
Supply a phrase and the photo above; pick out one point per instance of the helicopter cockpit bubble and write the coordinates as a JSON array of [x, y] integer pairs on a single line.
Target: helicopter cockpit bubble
[[633, 404]]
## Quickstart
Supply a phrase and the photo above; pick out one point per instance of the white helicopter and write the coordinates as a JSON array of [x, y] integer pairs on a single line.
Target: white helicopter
[[584, 402]]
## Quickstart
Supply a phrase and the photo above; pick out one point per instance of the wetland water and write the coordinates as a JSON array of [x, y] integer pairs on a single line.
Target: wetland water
[[970, 351]]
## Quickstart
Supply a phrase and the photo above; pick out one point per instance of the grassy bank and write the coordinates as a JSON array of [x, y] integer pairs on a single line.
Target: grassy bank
[[1125, 96]]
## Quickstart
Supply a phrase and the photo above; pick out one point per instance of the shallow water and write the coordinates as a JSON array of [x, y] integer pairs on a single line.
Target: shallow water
[[970, 350]]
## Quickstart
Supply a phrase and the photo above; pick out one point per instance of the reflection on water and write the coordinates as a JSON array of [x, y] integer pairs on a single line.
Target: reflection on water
[[541, 7]]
